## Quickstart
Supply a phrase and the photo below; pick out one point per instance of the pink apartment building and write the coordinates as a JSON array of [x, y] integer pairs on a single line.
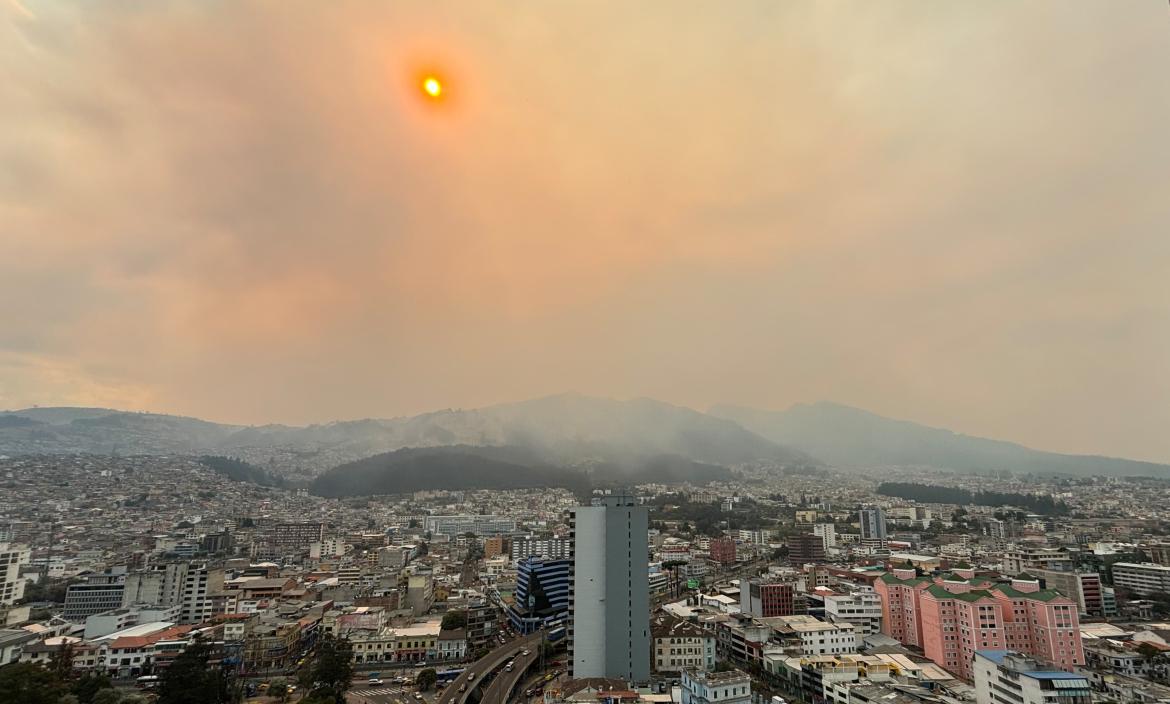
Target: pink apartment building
[[951, 617]]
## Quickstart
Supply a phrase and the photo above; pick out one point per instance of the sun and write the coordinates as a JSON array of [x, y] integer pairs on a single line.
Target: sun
[[432, 87]]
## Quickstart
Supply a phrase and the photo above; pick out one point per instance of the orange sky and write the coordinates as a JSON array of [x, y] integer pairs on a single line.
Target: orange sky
[[952, 213]]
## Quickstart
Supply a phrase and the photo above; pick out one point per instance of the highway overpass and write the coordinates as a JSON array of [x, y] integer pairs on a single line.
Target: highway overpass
[[491, 662]]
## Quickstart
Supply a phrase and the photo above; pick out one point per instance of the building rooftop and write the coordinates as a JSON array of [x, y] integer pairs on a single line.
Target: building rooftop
[[714, 678], [1027, 666], [667, 626]]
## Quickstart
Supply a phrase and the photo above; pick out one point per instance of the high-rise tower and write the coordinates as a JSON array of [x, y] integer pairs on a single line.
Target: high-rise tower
[[609, 602]]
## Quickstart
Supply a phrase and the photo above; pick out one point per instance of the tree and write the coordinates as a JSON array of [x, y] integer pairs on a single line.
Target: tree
[[189, 680], [454, 620], [30, 684], [62, 662], [332, 669], [108, 696], [91, 684], [426, 678], [280, 691]]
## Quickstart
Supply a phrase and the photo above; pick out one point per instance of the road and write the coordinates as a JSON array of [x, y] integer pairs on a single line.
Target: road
[[388, 693], [484, 665], [505, 682]]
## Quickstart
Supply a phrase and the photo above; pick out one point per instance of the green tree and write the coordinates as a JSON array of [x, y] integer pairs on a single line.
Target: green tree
[[332, 669], [189, 679], [30, 684], [427, 678], [108, 696], [453, 620], [280, 691], [89, 685], [62, 663]]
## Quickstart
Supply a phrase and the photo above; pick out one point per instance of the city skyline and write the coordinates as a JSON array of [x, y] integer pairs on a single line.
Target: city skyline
[[953, 216]]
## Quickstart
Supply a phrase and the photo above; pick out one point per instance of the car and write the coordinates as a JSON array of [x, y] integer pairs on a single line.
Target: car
[[374, 682], [509, 666], [526, 652], [463, 687], [418, 696], [470, 676]]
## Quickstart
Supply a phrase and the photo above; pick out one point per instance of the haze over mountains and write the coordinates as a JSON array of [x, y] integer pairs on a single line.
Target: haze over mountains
[[850, 437], [634, 439]]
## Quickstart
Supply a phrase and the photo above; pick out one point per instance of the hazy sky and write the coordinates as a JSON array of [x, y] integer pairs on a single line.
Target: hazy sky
[[957, 213]]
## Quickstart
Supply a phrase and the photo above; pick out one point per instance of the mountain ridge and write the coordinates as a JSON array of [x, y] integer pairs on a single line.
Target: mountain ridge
[[846, 436], [565, 429]]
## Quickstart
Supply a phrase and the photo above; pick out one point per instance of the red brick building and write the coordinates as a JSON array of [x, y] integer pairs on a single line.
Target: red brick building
[[723, 550]]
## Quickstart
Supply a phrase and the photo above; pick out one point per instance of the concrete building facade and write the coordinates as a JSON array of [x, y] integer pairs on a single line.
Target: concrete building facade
[[609, 604]]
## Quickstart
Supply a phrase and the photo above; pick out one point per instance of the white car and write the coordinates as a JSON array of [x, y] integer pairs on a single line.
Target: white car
[[525, 653], [374, 682]]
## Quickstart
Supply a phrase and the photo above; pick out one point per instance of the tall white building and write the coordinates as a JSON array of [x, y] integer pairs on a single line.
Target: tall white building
[[609, 603], [198, 583], [828, 533], [11, 583]]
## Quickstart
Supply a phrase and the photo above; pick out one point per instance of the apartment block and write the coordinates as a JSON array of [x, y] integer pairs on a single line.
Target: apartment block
[[95, 594], [767, 599], [546, 548], [12, 557], [479, 525], [680, 645], [1028, 559], [1083, 587], [951, 617], [862, 609], [1143, 578], [806, 548], [722, 550]]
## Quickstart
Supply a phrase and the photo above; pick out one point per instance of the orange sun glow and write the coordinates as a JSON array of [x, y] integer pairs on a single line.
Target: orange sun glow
[[432, 87]]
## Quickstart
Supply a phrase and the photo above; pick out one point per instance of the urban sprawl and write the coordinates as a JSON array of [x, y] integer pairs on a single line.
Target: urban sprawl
[[897, 586]]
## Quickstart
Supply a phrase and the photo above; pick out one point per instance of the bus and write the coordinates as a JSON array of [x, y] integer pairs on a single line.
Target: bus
[[147, 681], [448, 676], [556, 634]]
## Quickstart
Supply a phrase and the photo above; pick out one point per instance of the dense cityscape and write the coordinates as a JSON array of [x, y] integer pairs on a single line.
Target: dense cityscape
[[809, 585], [584, 352]]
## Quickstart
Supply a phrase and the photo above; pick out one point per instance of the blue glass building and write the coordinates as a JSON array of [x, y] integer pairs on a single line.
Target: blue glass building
[[541, 599]]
